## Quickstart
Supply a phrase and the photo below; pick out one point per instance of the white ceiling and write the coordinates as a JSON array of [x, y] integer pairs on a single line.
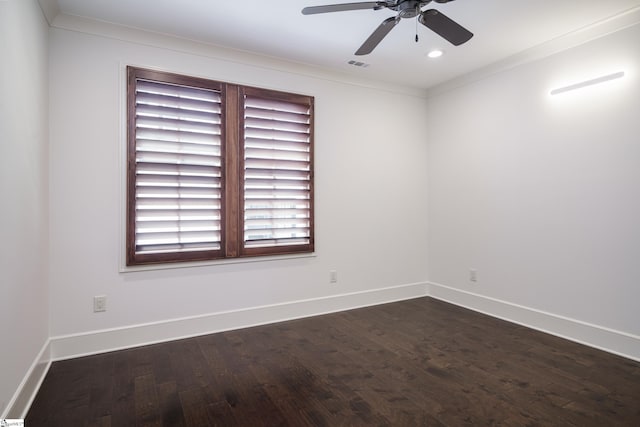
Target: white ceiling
[[277, 28]]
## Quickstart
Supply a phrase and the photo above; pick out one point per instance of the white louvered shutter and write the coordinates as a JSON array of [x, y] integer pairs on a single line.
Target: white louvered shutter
[[277, 146], [177, 168]]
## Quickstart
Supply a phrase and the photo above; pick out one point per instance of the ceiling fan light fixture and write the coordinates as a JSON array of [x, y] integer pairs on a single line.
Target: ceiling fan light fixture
[[435, 53]]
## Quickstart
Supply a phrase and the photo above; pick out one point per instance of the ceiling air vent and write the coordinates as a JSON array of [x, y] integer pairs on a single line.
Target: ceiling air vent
[[358, 64]]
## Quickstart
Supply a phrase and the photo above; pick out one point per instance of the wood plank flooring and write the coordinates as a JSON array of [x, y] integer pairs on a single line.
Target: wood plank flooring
[[420, 362]]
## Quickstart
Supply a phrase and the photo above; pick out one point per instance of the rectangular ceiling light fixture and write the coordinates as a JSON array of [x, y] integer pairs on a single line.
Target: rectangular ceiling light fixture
[[586, 83]]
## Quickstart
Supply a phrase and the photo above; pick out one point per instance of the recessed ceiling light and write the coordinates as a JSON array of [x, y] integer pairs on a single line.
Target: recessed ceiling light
[[435, 53]]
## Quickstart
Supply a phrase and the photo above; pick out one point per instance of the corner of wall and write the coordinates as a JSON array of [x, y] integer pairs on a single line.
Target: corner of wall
[[609, 340], [23, 397], [50, 9]]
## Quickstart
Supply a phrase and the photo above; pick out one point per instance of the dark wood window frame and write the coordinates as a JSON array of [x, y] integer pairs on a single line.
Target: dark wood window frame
[[232, 122]]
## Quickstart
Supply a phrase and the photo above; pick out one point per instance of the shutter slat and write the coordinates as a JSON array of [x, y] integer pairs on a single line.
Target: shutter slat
[[179, 136], [265, 243], [177, 193], [172, 237], [275, 134], [170, 89], [177, 247], [150, 168], [178, 240], [283, 237], [275, 105], [277, 223], [181, 125], [179, 96], [258, 173], [268, 153], [273, 123], [297, 184], [257, 203], [176, 159], [276, 144], [188, 104], [148, 110], [277, 212], [178, 148], [283, 116], [147, 203], [175, 226], [276, 165], [277, 194], [146, 215], [178, 181]]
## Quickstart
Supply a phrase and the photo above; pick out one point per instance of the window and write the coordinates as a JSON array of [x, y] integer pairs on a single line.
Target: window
[[216, 170]]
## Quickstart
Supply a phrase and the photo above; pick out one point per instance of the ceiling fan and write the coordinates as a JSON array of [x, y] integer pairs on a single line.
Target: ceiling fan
[[433, 19]]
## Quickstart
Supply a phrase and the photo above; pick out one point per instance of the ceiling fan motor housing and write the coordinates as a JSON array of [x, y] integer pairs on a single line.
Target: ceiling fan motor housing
[[409, 8]]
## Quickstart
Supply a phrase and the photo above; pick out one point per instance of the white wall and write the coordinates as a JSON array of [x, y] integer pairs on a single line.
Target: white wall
[[23, 193], [541, 194], [370, 197]]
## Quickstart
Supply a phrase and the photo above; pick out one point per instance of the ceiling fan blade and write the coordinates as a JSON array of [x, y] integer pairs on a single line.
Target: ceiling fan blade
[[312, 10], [377, 36], [445, 27]]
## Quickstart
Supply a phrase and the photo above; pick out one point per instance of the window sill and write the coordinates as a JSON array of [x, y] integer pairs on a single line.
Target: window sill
[[170, 266]]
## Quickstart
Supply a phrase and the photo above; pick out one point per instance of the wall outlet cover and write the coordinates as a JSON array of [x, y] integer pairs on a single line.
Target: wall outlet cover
[[333, 276], [99, 303], [473, 275]]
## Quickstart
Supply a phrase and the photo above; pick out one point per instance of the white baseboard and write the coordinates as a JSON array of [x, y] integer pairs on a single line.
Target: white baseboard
[[23, 397], [609, 340], [77, 345]]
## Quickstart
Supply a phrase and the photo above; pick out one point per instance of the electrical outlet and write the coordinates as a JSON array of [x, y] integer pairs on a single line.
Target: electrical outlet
[[99, 303], [333, 276], [473, 275]]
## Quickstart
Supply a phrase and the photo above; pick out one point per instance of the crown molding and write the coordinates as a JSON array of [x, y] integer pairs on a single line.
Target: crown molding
[[50, 9], [570, 40]]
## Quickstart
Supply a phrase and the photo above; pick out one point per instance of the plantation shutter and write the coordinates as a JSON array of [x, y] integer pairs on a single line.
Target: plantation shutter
[[178, 168], [277, 172], [216, 170]]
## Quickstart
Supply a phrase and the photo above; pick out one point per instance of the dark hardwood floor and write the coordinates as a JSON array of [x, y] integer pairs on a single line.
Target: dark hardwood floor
[[417, 362]]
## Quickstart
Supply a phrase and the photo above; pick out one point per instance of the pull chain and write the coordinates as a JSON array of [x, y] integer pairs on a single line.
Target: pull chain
[[417, 23]]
